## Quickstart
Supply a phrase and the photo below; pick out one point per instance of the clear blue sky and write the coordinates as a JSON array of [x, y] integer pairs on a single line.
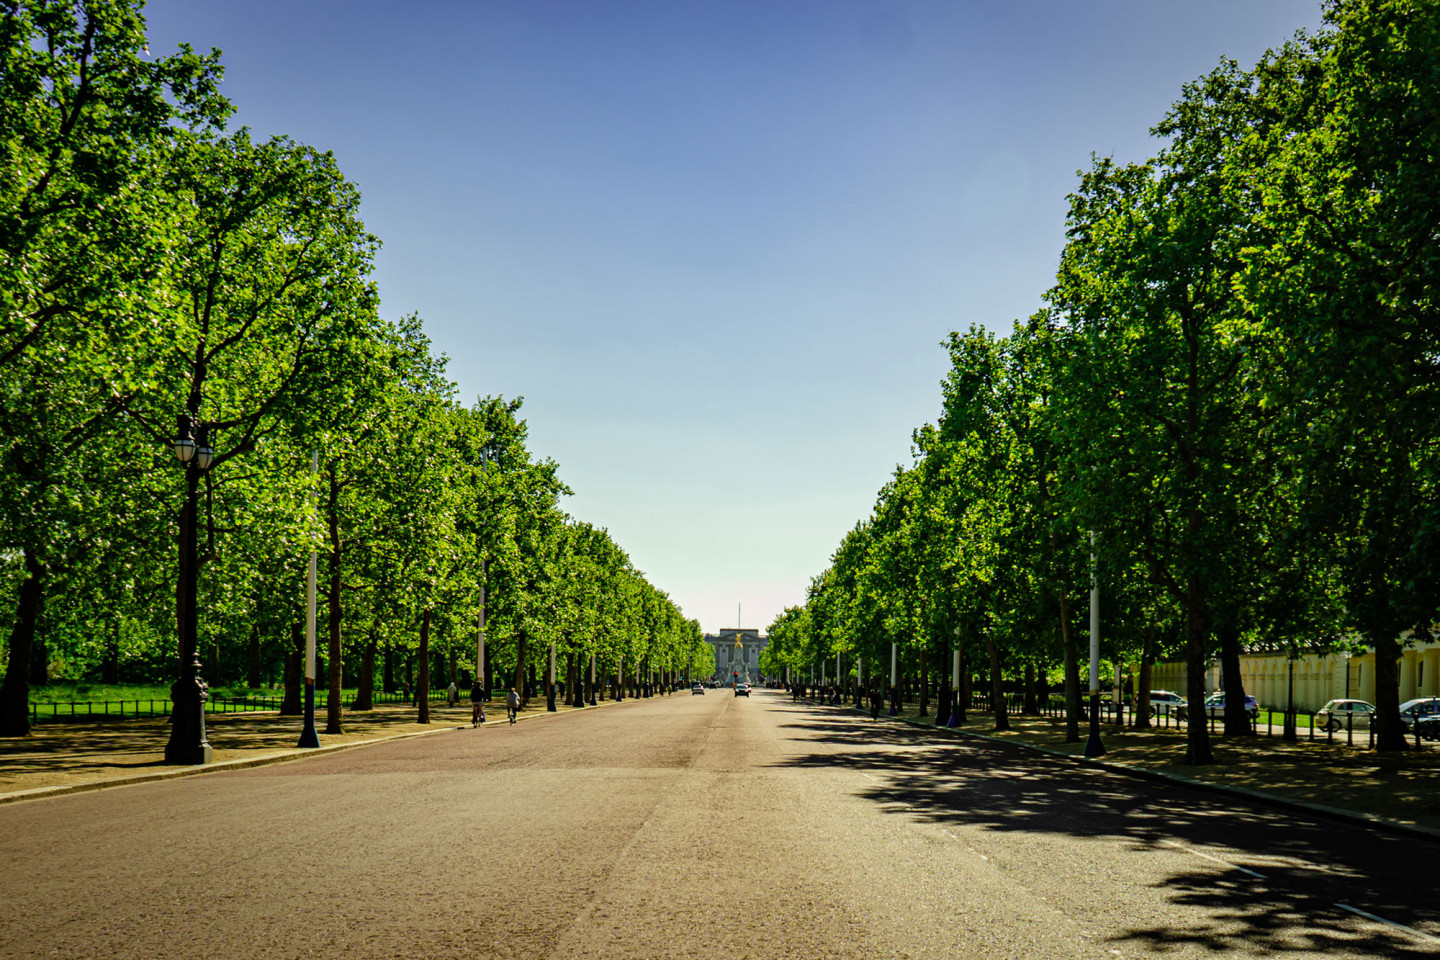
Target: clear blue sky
[[716, 245]]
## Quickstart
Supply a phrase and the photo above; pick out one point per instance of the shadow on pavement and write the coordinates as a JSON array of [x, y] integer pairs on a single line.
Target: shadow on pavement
[[1310, 864]]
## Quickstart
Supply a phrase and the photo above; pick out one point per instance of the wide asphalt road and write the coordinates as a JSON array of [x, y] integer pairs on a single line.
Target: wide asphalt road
[[697, 826]]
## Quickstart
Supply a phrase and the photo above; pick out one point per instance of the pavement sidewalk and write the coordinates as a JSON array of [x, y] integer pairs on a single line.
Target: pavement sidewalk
[[1393, 791], [67, 757]]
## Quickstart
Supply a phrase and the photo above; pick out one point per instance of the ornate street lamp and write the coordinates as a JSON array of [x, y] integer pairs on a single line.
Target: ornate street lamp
[[1093, 746], [309, 737], [957, 706], [591, 699], [550, 682], [189, 692]]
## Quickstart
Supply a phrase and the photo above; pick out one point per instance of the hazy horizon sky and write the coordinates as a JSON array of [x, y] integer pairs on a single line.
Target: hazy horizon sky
[[716, 246]]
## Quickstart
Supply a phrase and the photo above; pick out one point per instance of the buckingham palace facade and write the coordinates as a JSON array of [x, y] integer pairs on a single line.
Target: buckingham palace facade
[[732, 658]]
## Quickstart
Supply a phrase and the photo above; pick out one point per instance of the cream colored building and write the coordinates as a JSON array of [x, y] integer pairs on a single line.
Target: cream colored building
[[1318, 677], [737, 652]]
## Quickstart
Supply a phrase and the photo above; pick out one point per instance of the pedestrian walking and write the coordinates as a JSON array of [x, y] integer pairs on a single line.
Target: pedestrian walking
[[452, 696], [477, 703], [512, 704], [875, 702]]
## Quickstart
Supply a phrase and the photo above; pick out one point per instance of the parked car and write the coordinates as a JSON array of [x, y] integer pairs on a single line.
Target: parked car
[[1412, 710], [1428, 728], [1165, 701], [742, 689], [1215, 707], [697, 687], [1337, 713]]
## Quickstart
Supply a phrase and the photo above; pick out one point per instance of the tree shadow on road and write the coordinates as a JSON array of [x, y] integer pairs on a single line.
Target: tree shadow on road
[[1309, 863]]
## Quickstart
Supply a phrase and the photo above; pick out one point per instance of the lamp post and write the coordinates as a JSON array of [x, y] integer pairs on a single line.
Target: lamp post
[[308, 736], [1093, 746], [1288, 732], [550, 683], [480, 640], [189, 693], [591, 699], [894, 679], [955, 710]]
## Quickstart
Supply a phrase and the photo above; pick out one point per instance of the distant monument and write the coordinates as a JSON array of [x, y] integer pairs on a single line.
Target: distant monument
[[737, 651]]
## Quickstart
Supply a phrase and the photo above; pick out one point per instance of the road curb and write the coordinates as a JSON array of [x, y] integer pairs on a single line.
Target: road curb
[[1143, 773], [241, 763]]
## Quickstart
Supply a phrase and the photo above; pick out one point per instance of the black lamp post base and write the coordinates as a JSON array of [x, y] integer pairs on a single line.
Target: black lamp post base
[[1093, 746], [308, 737], [188, 744], [189, 756]]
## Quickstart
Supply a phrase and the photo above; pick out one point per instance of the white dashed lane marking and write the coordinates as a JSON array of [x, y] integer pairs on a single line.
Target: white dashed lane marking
[[1206, 856], [1389, 923]]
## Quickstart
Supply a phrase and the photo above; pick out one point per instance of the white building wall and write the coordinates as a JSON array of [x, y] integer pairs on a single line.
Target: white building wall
[[1318, 677]]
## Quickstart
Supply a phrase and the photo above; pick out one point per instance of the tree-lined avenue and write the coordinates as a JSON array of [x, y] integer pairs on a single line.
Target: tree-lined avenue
[[697, 826]]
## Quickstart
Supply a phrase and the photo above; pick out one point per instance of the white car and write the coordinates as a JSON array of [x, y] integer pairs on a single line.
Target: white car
[[697, 687], [1337, 713], [1165, 701]]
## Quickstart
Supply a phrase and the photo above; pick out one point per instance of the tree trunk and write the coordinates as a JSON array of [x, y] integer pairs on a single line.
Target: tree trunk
[[1389, 731], [997, 690], [1197, 740], [39, 659], [389, 676], [1237, 721], [364, 700], [521, 641], [15, 691], [252, 675], [1147, 670], [1072, 674], [422, 692], [294, 673], [110, 664], [1030, 707]]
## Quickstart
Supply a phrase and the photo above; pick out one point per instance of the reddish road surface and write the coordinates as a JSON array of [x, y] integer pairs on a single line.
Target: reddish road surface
[[697, 826]]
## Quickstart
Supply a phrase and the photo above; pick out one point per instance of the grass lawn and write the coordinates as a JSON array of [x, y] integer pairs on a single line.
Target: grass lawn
[[65, 691]]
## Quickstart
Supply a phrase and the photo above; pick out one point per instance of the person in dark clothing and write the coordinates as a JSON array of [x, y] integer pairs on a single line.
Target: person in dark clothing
[[477, 704], [876, 701]]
